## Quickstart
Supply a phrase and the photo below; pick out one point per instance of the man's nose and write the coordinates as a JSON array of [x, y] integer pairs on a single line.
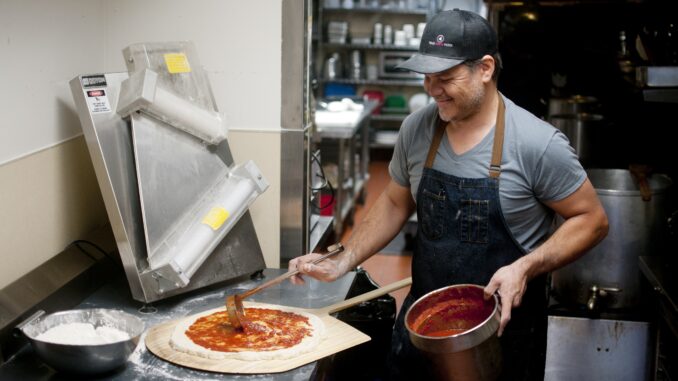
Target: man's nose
[[433, 87]]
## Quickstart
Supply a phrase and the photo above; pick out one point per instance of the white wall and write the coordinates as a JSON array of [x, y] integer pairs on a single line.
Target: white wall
[[48, 194], [43, 44], [238, 43]]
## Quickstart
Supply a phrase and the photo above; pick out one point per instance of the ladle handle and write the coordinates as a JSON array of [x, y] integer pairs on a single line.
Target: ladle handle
[[334, 249]]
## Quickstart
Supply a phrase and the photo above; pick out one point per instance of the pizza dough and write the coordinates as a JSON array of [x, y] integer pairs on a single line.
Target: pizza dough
[[180, 341]]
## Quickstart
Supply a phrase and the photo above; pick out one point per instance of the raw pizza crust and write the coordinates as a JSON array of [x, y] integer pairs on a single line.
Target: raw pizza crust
[[180, 342]]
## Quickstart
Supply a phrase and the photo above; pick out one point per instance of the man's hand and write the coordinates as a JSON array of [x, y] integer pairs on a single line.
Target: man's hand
[[383, 222], [510, 283], [327, 271]]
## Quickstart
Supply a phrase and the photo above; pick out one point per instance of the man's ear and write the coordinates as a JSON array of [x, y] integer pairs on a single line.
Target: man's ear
[[487, 67]]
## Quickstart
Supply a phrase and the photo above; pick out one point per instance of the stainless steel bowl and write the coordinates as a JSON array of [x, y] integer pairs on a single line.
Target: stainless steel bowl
[[84, 359], [473, 351], [452, 307]]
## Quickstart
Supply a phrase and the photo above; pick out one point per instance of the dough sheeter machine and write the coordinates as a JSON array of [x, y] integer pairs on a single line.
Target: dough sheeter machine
[[176, 201]]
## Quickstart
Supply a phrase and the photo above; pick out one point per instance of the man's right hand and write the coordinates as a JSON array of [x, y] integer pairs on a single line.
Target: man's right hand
[[383, 222], [327, 271]]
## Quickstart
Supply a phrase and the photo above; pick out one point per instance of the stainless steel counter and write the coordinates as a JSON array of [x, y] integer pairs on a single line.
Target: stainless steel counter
[[660, 272], [346, 129], [662, 301], [143, 365]]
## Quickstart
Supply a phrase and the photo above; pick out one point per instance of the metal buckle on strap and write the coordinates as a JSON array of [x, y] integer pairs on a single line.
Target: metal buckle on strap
[[495, 170]]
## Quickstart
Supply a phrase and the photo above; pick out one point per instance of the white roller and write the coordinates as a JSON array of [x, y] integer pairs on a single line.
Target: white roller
[[185, 250], [142, 92], [201, 238]]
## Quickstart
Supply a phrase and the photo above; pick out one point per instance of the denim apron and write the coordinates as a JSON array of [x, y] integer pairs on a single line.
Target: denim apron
[[463, 237]]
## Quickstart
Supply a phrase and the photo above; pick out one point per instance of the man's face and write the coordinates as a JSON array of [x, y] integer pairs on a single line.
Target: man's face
[[458, 92]]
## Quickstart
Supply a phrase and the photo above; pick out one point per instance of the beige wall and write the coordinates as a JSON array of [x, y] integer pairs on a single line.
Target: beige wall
[[48, 193], [47, 200], [264, 148]]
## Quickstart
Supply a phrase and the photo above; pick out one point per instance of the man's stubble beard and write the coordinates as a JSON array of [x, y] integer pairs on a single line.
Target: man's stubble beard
[[469, 108]]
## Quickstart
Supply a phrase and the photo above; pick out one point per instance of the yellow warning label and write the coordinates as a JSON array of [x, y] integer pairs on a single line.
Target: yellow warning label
[[216, 217], [177, 63]]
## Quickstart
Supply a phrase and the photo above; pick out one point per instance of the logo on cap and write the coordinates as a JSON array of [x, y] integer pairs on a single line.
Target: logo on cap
[[440, 41]]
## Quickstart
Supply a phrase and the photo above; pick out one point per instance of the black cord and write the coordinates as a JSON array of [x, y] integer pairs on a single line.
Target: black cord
[[77, 243], [326, 184]]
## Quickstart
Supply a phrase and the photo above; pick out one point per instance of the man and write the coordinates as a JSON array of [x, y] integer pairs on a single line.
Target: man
[[486, 178]]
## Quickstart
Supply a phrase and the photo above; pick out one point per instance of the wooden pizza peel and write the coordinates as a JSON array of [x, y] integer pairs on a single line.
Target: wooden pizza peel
[[338, 337]]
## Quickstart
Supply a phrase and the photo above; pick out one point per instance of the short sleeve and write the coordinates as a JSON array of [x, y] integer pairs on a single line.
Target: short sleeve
[[558, 173], [397, 168]]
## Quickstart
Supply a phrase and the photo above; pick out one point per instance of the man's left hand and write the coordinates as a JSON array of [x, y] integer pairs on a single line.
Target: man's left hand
[[509, 283]]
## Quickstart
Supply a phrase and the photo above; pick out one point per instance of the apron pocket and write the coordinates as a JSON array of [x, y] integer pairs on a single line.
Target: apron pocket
[[474, 221], [431, 211]]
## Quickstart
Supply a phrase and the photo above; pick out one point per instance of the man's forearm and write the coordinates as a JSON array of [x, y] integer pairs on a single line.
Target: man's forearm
[[569, 242], [382, 223]]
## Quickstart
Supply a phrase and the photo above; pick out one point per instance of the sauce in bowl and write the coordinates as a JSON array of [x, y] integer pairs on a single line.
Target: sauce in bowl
[[451, 312]]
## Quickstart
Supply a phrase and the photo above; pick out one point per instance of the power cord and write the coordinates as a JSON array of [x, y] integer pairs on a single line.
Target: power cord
[[78, 242]]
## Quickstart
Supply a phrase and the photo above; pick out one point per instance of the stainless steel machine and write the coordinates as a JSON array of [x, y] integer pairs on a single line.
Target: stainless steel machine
[[176, 201]]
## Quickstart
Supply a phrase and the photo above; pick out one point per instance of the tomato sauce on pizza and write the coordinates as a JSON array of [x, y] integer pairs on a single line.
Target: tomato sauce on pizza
[[264, 330]]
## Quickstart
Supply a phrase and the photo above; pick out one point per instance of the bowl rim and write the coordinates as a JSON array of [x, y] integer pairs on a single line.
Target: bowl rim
[[495, 312], [31, 331]]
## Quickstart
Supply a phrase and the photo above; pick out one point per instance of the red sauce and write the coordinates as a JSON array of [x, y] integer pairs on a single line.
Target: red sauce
[[450, 312], [446, 332], [264, 330]]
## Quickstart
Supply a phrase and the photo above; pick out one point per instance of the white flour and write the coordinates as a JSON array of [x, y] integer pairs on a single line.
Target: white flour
[[82, 334]]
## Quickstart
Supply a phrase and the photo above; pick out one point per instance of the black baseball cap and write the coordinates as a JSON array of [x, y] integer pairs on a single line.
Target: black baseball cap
[[450, 38]]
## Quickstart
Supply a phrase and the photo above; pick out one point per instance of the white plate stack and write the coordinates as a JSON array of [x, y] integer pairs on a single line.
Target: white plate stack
[[337, 32]]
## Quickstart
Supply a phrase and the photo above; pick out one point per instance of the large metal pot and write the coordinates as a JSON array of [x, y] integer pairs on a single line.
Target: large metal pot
[[457, 330], [576, 104], [608, 275], [586, 132]]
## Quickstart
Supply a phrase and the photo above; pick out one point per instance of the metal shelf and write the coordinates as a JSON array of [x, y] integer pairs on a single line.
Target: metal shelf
[[380, 10], [352, 160], [389, 117], [663, 95], [377, 82], [370, 46], [381, 145], [349, 203], [376, 142]]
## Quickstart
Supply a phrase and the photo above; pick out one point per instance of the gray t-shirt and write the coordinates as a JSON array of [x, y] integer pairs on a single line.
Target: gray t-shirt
[[538, 164]]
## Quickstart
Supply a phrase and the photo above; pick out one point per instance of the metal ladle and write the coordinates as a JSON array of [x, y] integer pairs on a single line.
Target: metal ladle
[[234, 307]]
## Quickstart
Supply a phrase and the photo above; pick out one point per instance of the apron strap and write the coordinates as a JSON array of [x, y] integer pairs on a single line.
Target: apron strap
[[435, 143], [497, 147]]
